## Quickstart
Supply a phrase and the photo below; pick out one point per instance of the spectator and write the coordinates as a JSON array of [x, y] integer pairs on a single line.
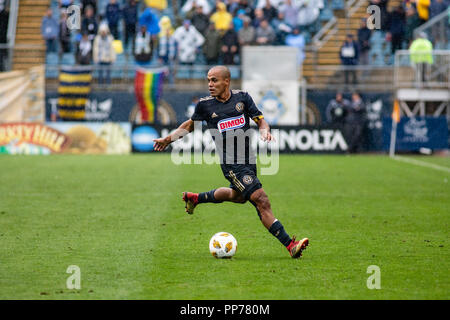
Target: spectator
[[49, 31], [309, 12], [199, 3], [211, 48], [238, 21], [151, 22], [408, 4], [364, 35], [221, 18], [439, 29], [281, 29], [397, 26], [244, 5], [4, 18], [382, 4], [421, 55], [246, 35], [349, 58], [167, 46], [199, 20], [113, 15], [103, 53], [274, 3], [337, 110], [89, 24], [423, 10], [230, 46], [412, 22], [64, 4], [265, 34], [259, 16], [64, 34], [232, 7], [297, 40], [188, 40], [291, 11], [143, 46], [130, 14], [83, 53], [88, 3], [354, 123], [269, 11]]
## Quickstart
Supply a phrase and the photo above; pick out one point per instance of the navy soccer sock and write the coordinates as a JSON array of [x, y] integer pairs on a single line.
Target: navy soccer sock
[[205, 197], [277, 230]]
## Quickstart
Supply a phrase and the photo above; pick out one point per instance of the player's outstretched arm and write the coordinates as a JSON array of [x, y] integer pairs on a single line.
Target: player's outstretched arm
[[184, 129], [264, 130]]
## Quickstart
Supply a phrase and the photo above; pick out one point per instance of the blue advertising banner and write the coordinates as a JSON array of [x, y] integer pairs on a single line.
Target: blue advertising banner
[[416, 133], [288, 139]]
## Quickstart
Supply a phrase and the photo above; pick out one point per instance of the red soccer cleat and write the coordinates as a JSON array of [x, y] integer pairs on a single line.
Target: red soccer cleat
[[295, 248], [191, 200]]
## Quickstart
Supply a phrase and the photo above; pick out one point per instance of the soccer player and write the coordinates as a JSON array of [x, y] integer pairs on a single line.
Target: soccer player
[[228, 110]]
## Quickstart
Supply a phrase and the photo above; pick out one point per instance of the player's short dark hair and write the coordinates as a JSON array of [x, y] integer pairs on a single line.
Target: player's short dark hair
[[225, 72]]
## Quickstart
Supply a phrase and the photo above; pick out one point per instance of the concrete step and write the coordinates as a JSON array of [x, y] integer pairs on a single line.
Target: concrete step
[[28, 36]]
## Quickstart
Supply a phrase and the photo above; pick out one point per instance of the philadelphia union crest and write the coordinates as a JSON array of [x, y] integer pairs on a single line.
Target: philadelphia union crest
[[240, 107], [247, 179]]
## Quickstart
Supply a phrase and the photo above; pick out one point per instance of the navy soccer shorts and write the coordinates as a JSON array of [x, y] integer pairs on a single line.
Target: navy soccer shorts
[[243, 178]]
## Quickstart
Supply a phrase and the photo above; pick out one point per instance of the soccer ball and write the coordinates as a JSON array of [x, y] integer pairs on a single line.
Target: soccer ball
[[223, 245]]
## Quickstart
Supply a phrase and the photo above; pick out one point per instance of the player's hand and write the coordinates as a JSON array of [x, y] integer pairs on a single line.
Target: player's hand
[[266, 135], [161, 144]]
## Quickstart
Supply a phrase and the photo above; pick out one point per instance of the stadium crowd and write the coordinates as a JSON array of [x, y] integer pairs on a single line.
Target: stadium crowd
[[204, 31], [211, 32], [398, 26]]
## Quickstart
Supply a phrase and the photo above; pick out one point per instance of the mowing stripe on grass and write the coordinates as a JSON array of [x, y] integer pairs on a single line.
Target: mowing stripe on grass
[[422, 164]]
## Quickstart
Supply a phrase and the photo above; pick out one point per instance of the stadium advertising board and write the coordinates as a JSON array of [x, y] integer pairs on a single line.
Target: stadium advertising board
[[305, 139], [65, 137], [96, 137], [31, 138], [416, 133]]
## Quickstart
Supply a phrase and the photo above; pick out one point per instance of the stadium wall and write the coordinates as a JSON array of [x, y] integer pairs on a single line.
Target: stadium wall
[[118, 107]]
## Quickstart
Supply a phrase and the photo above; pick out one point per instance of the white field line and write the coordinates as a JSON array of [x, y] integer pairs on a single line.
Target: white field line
[[422, 164]]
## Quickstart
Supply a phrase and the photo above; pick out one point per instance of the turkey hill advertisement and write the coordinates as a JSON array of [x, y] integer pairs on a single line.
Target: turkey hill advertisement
[[31, 138]]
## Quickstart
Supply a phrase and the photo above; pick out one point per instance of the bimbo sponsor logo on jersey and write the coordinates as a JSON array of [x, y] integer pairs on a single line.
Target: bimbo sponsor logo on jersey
[[231, 123]]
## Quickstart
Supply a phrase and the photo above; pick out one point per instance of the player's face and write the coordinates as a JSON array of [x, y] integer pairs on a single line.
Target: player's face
[[217, 84]]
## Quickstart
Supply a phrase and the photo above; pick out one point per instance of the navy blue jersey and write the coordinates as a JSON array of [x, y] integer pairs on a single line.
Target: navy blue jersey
[[230, 119]]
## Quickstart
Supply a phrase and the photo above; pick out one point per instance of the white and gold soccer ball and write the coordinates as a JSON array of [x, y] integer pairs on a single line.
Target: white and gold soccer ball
[[223, 245]]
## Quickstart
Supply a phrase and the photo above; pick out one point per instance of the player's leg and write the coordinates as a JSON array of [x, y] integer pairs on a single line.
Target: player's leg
[[213, 196], [225, 194], [260, 200]]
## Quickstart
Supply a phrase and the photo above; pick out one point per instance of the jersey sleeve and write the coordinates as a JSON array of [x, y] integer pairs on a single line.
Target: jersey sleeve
[[252, 110], [198, 113]]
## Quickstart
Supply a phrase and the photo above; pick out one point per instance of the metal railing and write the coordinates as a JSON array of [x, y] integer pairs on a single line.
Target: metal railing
[[410, 74], [122, 77], [349, 78], [193, 78], [437, 30]]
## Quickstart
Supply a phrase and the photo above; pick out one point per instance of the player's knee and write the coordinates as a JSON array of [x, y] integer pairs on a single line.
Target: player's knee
[[261, 200], [238, 198]]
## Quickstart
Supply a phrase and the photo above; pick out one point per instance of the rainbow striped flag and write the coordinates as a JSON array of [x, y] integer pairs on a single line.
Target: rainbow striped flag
[[148, 86], [73, 91]]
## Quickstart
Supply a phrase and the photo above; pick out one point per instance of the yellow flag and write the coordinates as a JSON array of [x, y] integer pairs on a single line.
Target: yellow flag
[[396, 112]]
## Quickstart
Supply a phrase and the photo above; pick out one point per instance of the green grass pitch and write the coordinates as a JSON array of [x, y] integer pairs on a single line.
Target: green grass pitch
[[122, 221]]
